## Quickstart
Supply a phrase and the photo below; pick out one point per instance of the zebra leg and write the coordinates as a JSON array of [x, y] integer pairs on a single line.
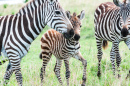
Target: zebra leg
[[128, 75], [66, 61], [84, 62], [112, 57], [18, 74], [118, 57], [99, 55], [57, 70], [8, 73], [46, 58], [15, 67]]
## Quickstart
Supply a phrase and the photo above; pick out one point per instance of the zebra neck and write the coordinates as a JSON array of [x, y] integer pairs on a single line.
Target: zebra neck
[[72, 41], [34, 10]]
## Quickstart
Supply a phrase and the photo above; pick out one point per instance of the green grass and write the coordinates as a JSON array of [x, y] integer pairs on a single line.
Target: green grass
[[31, 63]]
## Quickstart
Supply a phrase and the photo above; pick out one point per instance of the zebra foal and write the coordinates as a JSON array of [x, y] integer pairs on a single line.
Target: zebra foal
[[18, 31], [53, 42], [112, 23]]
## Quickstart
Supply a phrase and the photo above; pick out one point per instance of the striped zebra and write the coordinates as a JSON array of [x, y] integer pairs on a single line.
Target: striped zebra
[[18, 31], [53, 42], [112, 23]]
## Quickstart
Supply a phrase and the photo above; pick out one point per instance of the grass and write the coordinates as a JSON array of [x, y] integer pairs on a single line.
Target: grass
[[31, 63]]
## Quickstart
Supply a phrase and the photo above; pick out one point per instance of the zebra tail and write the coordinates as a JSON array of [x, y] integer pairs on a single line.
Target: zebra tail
[[105, 44], [3, 61], [40, 55]]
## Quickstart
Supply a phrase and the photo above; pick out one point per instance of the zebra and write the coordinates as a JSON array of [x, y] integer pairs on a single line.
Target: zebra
[[112, 23], [53, 42], [18, 31]]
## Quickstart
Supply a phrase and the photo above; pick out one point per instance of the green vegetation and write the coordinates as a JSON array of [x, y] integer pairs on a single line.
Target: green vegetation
[[31, 63], [25, 1], [5, 5]]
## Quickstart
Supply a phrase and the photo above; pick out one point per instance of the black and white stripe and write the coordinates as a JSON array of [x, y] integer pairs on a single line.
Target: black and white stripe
[[18, 31], [112, 23]]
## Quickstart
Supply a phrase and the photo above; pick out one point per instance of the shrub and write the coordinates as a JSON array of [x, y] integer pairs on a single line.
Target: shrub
[[25, 1], [5, 5]]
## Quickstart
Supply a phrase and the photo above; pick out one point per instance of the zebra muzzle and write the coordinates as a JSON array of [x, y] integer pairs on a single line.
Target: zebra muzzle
[[124, 32], [76, 37], [69, 35]]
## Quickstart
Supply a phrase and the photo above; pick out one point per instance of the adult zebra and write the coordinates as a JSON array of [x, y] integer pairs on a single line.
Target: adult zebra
[[112, 23], [18, 31]]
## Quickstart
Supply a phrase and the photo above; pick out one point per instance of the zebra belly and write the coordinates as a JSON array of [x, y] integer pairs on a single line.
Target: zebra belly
[[68, 54], [16, 49], [102, 37]]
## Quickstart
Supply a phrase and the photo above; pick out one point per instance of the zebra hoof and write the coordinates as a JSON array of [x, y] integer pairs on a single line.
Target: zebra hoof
[[5, 82], [99, 74], [82, 84], [84, 79], [119, 76], [128, 75]]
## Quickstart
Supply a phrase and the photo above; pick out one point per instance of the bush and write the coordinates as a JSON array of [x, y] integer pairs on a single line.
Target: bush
[[25, 1], [5, 5]]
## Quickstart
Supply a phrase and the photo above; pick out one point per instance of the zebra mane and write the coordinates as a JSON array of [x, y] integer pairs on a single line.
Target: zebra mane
[[74, 14], [29, 3]]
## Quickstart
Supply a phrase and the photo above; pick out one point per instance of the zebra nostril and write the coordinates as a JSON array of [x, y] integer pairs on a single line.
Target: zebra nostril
[[76, 37]]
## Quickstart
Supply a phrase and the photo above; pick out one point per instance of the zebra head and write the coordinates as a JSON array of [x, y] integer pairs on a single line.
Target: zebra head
[[124, 12], [76, 22], [58, 20]]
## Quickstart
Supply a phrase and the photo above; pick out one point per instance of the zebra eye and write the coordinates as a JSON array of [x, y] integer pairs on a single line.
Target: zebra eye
[[60, 31], [57, 12], [80, 25]]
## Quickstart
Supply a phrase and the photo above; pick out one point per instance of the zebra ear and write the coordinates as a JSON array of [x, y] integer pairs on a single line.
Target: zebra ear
[[68, 14], [117, 3], [82, 15]]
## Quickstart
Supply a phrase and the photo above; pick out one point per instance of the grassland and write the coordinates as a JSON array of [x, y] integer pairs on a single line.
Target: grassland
[[31, 63]]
